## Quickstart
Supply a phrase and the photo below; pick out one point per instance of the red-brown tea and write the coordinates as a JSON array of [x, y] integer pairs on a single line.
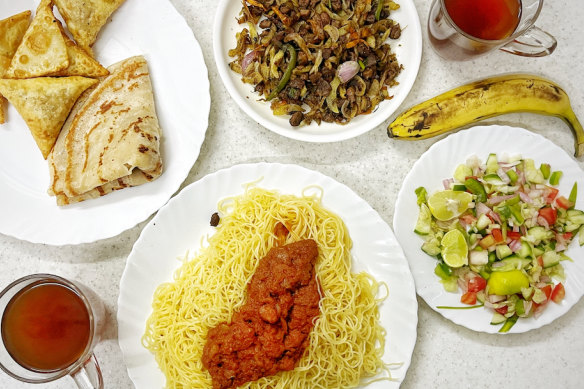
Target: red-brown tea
[[46, 327], [485, 19]]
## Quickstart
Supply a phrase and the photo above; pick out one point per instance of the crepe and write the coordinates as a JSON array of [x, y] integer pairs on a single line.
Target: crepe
[[44, 104], [86, 18], [12, 30], [111, 139], [43, 50]]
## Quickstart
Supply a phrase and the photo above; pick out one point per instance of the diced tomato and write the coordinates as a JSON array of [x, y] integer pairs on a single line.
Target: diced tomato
[[547, 290], [513, 235], [558, 293], [497, 235], [502, 310], [551, 194], [468, 219], [540, 261], [476, 284], [469, 298], [487, 242], [567, 235], [549, 214], [564, 202]]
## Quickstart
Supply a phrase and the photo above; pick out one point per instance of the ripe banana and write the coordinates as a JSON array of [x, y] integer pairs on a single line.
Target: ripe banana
[[483, 99]]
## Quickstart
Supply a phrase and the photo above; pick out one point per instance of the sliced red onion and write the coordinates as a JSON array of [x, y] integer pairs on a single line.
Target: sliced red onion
[[503, 176], [494, 216], [515, 245], [542, 222], [525, 197], [482, 209], [463, 285], [527, 305], [447, 182], [495, 298], [523, 229], [348, 70], [248, 59], [499, 199]]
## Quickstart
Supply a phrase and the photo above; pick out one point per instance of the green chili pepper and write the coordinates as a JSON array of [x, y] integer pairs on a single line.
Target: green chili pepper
[[574, 193], [442, 270], [517, 215], [471, 307], [509, 323], [555, 178], [476, 188], [286, 77], [512, 176], [545, 170], [378, 10]]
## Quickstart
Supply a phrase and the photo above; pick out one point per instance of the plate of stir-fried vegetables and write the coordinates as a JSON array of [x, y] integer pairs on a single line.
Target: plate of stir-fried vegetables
[[318, 70], [494, 230]]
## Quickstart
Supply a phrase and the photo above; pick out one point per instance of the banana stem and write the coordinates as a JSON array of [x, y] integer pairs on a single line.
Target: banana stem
[[572, 121]]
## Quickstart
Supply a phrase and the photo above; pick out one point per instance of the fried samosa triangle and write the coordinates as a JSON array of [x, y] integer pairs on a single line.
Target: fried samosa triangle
[[12, 30], [85, 19], [43, 50], [44, 103], [111, 139], [80, 63]]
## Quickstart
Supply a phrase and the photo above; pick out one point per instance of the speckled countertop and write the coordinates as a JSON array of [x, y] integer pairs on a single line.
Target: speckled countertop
[[446, 355]]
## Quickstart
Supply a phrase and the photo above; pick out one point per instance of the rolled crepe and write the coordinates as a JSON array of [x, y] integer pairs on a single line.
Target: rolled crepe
[[111, 139]]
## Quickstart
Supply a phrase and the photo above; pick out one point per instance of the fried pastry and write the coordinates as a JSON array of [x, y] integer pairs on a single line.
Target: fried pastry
[[44, 103], [43, 50], [12, 30], [86, 18]]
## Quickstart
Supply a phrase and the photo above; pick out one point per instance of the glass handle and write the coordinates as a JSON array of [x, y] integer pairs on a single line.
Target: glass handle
[[88, 376], [533, 43]]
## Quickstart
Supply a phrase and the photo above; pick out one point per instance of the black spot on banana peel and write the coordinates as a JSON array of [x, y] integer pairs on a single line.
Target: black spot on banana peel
[[484, 99]]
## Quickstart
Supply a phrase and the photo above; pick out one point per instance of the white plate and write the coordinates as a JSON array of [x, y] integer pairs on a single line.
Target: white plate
[[438, 163], [181, 90], [408, 49], [181, 223]]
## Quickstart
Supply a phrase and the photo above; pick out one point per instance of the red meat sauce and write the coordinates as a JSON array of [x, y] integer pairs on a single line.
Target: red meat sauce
[[270, 331]]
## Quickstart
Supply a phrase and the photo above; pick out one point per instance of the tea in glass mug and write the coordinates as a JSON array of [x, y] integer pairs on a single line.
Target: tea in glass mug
[[49, 327], [464, 29]]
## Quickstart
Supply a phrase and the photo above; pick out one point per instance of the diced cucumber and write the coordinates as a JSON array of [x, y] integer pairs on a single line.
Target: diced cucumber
[[545, 170], [492, 163], [532, 174], [581, 236], [512, 176], [536, 234], [479, 257], [527, 292], [483, 222], [493, 179], [537, 251], [458, 187], [550, 258], [461, 172], [431, 248], [497, 318], [424, 222], [575, 216], [512, 262], [502, 251], [538, 296], [524, 251]]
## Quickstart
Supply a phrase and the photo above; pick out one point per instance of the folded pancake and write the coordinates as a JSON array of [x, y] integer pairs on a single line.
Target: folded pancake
[[12, 30], [44, 103], [43, 50], [111, 139], [86, 18]]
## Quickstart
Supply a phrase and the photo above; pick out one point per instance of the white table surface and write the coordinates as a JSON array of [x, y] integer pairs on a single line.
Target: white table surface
[[446, 355]]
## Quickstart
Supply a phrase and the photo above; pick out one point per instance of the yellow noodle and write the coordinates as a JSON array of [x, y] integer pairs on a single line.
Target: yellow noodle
[[347, 341]]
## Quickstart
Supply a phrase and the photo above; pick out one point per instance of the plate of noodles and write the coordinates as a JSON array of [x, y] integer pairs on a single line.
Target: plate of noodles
[[184, 276], [349, 70]]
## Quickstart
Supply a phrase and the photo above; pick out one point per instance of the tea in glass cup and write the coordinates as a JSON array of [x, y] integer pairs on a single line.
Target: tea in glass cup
[[49, 327], [464, 29]]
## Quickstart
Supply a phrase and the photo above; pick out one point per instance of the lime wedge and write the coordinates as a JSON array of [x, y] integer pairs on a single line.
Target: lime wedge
[[448, 204], [454, 249]]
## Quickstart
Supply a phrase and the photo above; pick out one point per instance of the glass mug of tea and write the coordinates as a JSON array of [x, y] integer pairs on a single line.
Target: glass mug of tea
[[49, 328], [464, 29]]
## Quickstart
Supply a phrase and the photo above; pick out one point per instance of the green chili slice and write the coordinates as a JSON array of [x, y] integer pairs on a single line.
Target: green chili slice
[[476, 188], [378, 10], [574, 193], [510, 322], [286, 77], [555, 178], [469, 307]]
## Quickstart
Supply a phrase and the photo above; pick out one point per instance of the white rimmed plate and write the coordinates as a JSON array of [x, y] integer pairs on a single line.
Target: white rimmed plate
[[181, 89], [181, 223], [408, 49], [439, 163]]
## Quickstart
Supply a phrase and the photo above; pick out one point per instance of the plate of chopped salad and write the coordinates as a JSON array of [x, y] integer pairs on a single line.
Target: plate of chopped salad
[[494, 230]]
